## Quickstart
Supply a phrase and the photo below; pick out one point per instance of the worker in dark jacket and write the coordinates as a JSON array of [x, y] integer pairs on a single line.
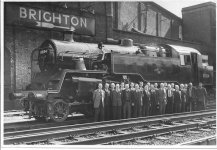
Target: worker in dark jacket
[[202, 97], [170, 100], [126, 99], [153, 101], [146, 101], [116, 102], [132, 91], [162, 98], [108, 103], [137, 101], [191, 96], [177, 100], [183, 97], [112, 89], [122, 88]]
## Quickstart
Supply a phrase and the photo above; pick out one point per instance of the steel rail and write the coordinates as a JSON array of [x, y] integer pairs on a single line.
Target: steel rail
[[27, 125], [146, 133], [211, 140], [102, 126], [33, 131]]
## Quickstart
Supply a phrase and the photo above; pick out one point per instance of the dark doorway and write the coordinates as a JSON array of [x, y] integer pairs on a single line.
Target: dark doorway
[[194, 65]]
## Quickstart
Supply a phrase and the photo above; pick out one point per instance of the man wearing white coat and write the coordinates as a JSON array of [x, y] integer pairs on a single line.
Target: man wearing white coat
[[98, 102]]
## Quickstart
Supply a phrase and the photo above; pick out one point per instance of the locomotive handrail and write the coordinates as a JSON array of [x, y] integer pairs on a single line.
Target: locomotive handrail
[[69, 52]]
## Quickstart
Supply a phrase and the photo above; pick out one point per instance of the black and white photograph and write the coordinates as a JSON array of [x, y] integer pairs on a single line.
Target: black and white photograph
[[108, 74]]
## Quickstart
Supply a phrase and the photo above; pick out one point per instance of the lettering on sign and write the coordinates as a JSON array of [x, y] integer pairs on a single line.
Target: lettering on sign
[[41, 18]]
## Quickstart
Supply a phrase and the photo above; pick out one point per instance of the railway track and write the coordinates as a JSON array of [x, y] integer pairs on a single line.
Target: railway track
[[115, 130], [34, 124]]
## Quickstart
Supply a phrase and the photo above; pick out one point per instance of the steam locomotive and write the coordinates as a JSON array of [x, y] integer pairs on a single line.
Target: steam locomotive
[[70, 71]]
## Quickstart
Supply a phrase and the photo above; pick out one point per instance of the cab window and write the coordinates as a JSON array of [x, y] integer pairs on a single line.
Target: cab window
[[185, 60]]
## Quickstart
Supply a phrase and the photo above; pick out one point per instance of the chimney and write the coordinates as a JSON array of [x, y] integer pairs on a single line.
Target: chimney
[[68, 36]]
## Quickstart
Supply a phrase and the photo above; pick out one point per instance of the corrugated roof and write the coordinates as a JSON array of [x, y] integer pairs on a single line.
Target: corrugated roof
[[183, 49]]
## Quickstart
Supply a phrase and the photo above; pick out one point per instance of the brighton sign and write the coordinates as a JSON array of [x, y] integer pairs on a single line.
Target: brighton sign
[[40, 18]]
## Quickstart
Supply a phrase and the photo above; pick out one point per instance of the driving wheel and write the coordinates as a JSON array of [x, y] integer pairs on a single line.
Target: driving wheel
[[60, 111]]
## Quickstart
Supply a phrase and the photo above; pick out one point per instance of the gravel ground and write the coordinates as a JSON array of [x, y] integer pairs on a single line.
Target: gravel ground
[[170, 139], [15, 118]]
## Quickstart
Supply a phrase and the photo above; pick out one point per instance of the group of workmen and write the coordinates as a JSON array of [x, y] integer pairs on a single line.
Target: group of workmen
[[129, 100]]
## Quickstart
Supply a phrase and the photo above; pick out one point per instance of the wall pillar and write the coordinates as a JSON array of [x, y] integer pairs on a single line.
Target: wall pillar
[[109, 19]]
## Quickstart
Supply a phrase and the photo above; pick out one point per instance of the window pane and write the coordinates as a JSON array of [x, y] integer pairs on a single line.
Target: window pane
[[182, 60], [129, 21], [187, 60], [151, 22]]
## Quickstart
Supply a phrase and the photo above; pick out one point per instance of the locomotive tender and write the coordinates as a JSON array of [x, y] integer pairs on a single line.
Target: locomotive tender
[[70, 72]]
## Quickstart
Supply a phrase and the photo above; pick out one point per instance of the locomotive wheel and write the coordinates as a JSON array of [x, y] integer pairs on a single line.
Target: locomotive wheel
[[60, 111]]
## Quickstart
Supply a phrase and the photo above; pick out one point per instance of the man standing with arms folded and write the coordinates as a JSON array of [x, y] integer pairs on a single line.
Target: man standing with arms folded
[[98, 100]]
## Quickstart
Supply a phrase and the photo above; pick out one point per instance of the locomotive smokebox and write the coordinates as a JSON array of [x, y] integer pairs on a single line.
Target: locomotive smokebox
[[55, 54]]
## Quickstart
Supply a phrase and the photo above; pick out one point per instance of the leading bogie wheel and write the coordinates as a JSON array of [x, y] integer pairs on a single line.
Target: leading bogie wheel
[[60, 111]]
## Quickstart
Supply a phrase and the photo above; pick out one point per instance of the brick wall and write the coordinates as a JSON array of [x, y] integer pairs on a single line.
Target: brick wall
[[19, 44], [199, 25], [20, 41]]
